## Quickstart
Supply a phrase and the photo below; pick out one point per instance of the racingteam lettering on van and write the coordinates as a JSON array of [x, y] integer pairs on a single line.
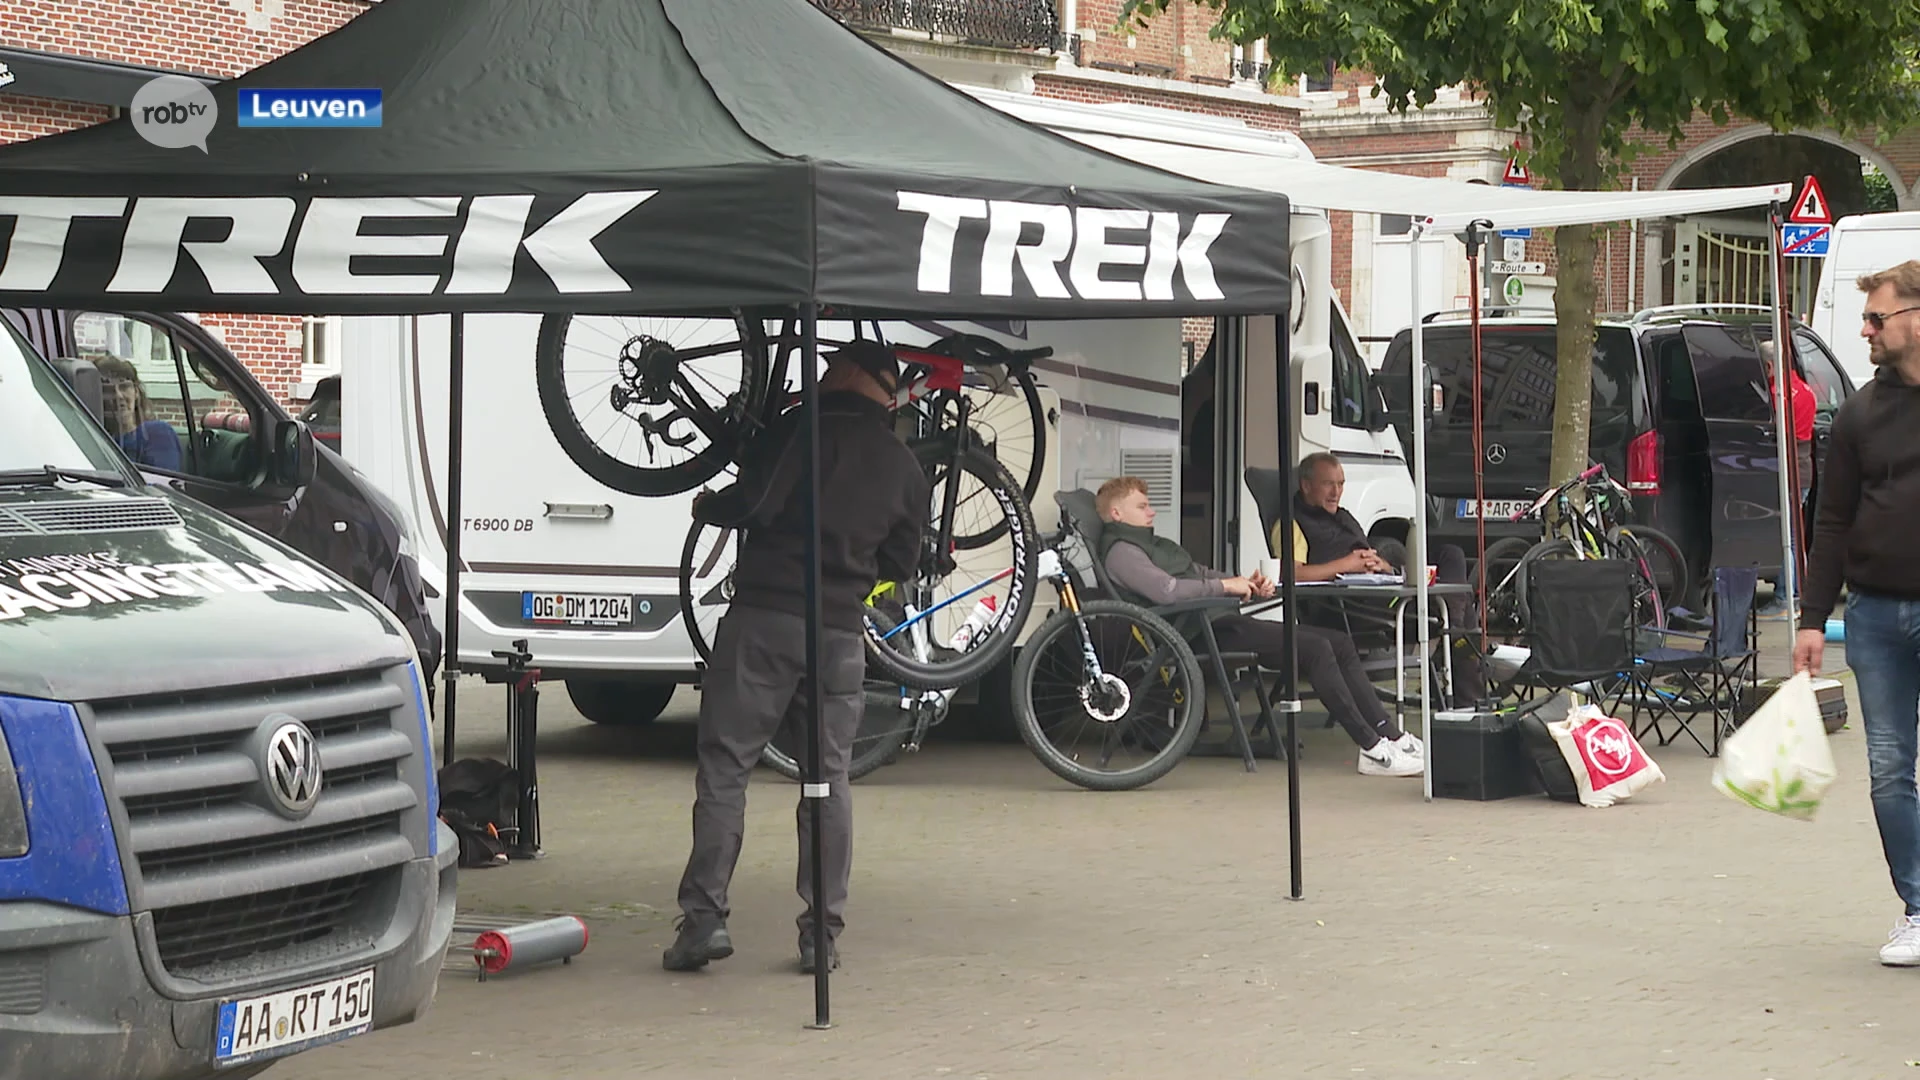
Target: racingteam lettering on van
[[54, 583]]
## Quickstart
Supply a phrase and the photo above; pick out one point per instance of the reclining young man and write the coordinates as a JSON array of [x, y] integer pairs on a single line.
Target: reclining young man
[[1328, 542], [1155, 570]]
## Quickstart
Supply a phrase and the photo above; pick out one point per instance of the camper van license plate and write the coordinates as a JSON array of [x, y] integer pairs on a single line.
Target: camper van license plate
[[576, 609], [274, 1024], [1494, 509]]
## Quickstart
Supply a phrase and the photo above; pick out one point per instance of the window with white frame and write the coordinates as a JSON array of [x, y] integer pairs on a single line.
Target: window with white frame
[[319, 347]]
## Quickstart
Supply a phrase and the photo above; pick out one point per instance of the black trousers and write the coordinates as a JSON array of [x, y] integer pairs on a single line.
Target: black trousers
[[755, 684], [1330, 663]]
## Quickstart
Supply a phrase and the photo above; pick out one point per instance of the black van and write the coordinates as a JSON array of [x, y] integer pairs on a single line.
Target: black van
[[1680, 412], [201, 429]]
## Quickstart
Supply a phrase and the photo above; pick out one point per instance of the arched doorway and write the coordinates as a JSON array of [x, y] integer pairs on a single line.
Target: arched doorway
[[1723, 259]]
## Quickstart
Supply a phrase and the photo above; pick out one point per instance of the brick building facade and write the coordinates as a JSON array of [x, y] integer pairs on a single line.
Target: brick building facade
[[135, 39]]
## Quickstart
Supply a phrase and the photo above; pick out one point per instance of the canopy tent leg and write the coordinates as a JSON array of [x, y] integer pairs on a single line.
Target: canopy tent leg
[[1289, 613], [813, 790], [1418, 421], [456, 395], [1787, 585]]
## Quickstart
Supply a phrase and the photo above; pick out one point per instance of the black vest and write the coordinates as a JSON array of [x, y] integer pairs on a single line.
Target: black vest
[[1329, 536]]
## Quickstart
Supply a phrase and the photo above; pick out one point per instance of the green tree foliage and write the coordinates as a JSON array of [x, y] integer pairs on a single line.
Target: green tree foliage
[[1578, 77]]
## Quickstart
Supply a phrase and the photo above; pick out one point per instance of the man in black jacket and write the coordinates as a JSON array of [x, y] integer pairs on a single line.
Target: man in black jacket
[[873, 504], [1863, 536]]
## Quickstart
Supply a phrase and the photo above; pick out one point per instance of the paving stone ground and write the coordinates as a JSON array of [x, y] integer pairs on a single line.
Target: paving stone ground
[[1005, 924]]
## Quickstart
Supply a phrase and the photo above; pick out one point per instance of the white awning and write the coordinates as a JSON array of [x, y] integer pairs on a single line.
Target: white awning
[[1448, 205], [1229, 152]]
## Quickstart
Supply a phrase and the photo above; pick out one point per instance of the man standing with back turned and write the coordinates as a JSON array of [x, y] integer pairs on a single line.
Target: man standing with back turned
[[873, 504], [1863, 534]]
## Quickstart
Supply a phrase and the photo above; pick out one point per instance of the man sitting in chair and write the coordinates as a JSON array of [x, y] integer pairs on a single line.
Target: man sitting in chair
[[1328, 541], [1158, 571]]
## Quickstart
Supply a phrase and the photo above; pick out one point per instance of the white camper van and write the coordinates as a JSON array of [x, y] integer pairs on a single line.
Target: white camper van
[[1862, 244], [536, 527]]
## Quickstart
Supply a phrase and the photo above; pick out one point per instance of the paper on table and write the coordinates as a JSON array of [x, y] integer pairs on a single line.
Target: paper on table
[[1370, 579]]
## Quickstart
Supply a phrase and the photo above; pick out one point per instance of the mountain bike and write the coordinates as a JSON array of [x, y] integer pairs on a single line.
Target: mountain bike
[[657, 405], [1593, 528], [1106, 694]]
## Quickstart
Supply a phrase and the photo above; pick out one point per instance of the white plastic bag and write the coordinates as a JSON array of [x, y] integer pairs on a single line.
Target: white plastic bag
[[1779, 760]]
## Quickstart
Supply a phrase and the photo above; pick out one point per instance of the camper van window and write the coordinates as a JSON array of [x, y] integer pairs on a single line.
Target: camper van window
[[39, 424], [1350, 383]]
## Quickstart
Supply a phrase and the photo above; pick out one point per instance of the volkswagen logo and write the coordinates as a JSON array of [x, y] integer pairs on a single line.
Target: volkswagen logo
[[292, 766], [1496, 454]]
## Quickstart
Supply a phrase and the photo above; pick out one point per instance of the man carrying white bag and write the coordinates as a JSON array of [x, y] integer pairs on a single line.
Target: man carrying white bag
[[1779, 760]]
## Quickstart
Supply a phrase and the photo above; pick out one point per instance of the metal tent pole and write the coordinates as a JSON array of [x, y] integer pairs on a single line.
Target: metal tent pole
[[1418, 418], [456, 395], [813, 790], [1782, 430], [1289, 613]]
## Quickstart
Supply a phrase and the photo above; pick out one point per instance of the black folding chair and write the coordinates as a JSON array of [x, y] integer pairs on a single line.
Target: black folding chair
[[1578, 628], [1712, 678], [1231, 672]]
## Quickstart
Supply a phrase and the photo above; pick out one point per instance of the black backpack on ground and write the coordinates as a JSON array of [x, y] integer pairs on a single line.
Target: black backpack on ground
[[477, 797]]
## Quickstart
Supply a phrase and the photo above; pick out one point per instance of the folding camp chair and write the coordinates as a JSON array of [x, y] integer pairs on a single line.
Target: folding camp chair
[[1578, 628], [1231, 672], [1712, 678]]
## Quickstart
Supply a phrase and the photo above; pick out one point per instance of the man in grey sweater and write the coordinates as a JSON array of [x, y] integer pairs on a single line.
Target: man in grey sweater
[[1153, 570]]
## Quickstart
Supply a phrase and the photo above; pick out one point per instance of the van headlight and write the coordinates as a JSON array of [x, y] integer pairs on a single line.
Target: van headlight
[[426, 755]]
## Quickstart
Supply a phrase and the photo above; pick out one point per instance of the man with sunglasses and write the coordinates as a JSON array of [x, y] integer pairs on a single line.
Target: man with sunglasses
[[1863, 537], [873, 505]]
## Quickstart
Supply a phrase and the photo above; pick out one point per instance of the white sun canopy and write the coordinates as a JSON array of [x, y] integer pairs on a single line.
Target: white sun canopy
[[1228, 152]]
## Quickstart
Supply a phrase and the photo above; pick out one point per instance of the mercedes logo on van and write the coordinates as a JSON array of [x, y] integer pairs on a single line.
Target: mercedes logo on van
[[292, 766], [1496, 454]]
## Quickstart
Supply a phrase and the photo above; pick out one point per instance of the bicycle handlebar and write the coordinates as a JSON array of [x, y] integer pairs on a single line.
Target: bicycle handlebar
[[1596, 470]]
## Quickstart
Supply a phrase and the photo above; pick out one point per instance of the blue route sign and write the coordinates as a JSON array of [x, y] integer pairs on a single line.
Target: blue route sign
[[1805, 241], [1517, 234]]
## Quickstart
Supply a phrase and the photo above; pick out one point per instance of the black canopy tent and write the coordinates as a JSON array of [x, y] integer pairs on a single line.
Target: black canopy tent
[[628, 156]]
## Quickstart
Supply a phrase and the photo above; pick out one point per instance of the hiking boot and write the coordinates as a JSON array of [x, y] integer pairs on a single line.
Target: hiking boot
[[700, 940], [807, 958]]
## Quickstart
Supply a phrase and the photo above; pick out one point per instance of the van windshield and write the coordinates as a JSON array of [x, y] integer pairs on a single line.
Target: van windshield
[[40, 425]]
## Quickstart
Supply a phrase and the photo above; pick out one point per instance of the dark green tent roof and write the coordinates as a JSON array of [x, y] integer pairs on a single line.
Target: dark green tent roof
[[765, 131]]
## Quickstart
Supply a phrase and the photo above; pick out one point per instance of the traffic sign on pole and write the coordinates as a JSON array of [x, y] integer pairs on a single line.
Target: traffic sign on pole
[[1517, 174], [1811, 206], [1808, 240]]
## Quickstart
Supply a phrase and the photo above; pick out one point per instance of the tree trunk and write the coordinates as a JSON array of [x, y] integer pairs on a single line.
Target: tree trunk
[[1573, 299]]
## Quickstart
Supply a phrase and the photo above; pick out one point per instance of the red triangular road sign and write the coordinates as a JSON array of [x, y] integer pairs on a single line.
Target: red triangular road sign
[[1811, 207], [1516, 173]]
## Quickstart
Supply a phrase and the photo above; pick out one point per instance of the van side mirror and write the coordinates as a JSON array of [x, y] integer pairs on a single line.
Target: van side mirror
[[294, 458]]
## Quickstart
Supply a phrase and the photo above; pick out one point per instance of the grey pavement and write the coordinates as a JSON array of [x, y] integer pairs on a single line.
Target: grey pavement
[[1005, 924]]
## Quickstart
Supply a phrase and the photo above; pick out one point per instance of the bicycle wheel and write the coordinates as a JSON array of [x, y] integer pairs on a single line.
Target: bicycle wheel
[[651, 405], [1664, 559], [1497, 568], [883, 730], [1011, 425], [1125, 729], [912, 638], [1545, 549], [1649, 609], [706, 582]]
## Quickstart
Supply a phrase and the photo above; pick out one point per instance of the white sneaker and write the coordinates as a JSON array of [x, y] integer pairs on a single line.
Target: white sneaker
[[1903, 944], [1410, 745], [1387, 759]]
